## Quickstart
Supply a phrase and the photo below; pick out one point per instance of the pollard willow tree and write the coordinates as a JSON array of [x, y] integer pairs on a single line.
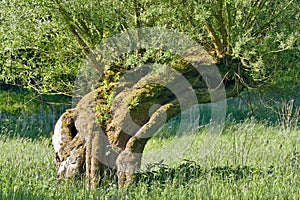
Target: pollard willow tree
[[241, 36], [252, 43]]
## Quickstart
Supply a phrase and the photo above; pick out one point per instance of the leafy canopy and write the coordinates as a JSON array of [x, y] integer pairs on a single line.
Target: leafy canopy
[[44, 42]]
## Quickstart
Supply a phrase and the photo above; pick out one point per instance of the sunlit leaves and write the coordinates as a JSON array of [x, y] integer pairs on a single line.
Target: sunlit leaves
[[44, 42]]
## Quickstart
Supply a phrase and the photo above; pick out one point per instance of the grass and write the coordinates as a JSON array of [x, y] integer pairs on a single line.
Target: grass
[[250, 160]]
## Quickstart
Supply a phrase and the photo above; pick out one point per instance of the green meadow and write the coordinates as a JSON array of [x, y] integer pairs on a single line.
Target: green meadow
[[250, 159]]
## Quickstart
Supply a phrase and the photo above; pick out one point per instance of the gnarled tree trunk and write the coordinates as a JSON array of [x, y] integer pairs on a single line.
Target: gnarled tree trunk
[[85, 145]]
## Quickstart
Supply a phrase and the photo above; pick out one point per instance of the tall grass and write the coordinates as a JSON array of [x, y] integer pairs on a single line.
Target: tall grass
[[22, 113], [35, 125], [251, 160]]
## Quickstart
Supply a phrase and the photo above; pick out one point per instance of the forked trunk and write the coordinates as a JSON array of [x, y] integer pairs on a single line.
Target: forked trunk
[[85, 144]]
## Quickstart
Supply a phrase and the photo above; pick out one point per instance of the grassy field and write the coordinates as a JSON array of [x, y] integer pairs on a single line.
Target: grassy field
[[250, 160]]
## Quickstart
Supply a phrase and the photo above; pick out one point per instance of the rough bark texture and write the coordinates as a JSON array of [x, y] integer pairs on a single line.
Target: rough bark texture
[[86, 145], [80, 144]]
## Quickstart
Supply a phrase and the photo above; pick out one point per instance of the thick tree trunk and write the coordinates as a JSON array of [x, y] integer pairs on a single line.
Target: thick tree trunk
[[80, 144], [83, 145]]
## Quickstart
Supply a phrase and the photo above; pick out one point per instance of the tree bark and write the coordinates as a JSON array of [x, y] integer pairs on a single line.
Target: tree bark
[[139, 109]]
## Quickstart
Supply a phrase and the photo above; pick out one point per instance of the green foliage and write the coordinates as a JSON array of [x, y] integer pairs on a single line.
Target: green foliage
[[36, 52], [16, 103], [23, 114], [44, 42]]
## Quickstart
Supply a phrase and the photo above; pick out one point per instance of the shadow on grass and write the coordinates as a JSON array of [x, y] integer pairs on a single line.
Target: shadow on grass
[[190, 171]]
